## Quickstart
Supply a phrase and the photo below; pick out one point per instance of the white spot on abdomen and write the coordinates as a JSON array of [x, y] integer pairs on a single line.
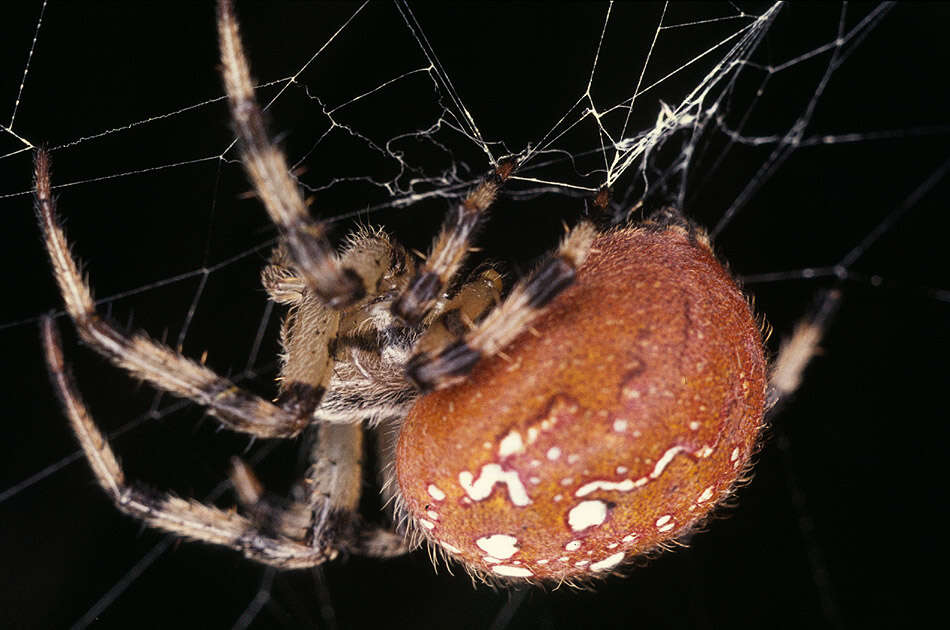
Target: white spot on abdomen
[[706, 495], [510, 445], [426, 524], [435, 492], [451, 548], [553, 453], [498, 545], [504, 569], [478, 489], [665, 460], [574, 545], [587, 514], [623, 486], [608, 562]]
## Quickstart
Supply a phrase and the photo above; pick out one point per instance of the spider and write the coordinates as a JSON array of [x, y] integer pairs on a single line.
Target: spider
[[600, 410]]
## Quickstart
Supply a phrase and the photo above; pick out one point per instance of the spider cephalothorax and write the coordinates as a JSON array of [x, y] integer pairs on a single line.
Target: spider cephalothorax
[[600, 410]]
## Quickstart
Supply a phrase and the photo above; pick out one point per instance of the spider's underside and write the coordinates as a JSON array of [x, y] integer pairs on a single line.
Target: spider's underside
[[368, 331]]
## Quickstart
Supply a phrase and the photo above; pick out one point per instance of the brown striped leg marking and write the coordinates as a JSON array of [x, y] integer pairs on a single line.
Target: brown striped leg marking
[[449, 249], [163, 510], [307, 243], [527, 300], [149, 360]]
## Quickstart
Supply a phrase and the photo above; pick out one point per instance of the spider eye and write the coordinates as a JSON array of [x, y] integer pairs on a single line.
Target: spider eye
[[616, 428]]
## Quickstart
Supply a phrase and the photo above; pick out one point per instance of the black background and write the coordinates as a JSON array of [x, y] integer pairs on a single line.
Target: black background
[[832, 531]]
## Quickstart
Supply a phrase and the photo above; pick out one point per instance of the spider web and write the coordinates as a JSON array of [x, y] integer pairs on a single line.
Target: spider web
[[810, 140]]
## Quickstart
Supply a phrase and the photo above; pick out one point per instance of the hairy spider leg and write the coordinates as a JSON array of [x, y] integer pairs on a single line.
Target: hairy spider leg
[[306, 238], [311, 327], [145, 358], [184, 517], [449, 248], [437, 370], [796, 352], [475, 299]]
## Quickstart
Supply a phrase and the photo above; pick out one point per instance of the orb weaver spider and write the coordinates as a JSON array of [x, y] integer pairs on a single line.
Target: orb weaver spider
[[600, 410]]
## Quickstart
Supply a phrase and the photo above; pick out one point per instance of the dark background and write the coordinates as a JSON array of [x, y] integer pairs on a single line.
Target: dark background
[[847, 501]]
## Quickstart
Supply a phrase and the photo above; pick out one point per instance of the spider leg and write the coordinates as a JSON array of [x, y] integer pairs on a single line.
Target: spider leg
[[527, 300], [796, 352], [161, 509], [149, 360], [309, 248], [322, 346], [324, 509], [326, 515], [473, 301], [449, 249], [282, 283]]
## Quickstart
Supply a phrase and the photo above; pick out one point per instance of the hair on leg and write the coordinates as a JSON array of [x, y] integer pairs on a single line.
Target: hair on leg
[[147, 359], [449, 249], [797, 351], [163, 510], [526, 301], [305, 237]]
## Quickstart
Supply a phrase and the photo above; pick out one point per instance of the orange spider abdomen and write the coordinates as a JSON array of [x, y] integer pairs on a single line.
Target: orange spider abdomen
[[614, 426]]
